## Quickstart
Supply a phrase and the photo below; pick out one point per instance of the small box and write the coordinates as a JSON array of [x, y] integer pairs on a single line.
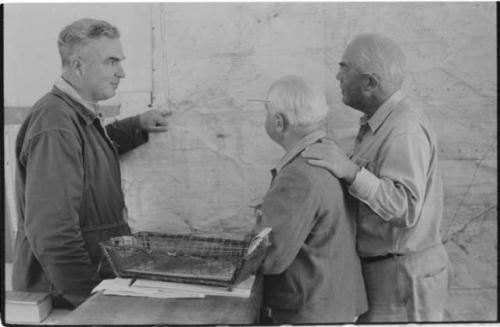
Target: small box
[[27, 307]]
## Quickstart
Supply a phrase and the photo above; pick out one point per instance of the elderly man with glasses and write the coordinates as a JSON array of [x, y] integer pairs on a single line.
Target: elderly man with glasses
[[312, 273]]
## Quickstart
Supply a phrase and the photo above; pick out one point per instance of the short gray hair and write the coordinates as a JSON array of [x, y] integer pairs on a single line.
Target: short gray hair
[[76, 35], [299, 101], [381, 56]]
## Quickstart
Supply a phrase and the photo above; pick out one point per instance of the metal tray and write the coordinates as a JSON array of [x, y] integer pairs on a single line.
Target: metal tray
[[186, 258]]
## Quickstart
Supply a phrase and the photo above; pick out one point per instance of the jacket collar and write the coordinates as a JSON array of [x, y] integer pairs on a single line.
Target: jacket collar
[[298, 148], [67, 88], [83, 111], [376, 120]]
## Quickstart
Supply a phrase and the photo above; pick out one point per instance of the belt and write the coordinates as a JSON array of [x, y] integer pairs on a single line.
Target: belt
[[381, 257]]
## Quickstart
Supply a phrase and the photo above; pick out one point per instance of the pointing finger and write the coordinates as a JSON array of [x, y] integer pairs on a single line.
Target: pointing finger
[[165, 113]]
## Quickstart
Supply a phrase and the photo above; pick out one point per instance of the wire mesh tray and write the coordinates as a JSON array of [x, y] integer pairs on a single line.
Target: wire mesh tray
[[186, 258]]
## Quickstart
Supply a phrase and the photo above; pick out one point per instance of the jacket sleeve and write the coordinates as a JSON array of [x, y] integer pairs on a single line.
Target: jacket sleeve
[[54, 185], [127, 134], [397, 193], [289, 209]]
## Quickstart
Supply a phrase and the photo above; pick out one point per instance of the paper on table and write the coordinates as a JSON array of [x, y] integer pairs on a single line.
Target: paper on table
[[113, 284], [156, 294], [243, 289], [120, 286]]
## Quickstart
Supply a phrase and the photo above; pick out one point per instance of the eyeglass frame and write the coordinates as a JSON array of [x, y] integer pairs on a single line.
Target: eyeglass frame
[[266, 102], [344, 68]]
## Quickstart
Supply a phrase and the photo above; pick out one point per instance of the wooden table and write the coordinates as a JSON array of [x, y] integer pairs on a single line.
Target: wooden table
[[103, 309]]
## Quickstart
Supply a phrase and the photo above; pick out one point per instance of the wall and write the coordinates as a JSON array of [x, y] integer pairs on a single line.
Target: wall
[[213, 165]]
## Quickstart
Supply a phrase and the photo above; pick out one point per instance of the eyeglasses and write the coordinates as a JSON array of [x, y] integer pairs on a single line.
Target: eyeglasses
[[344, 69], [266, 102]]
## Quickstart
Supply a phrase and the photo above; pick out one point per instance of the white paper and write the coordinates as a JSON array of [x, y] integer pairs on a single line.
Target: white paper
[[160, 289], [122, 287], [242, 290]]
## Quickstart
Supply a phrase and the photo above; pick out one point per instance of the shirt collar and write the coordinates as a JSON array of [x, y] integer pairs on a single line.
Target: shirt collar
[[299, 147], [383, 111], [67, 88]]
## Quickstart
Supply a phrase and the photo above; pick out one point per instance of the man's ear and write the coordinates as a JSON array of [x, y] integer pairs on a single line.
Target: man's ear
[[76, 65], [280, 122], [372, 82]]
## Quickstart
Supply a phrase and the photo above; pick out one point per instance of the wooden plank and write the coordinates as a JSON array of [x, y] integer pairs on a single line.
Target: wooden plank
[[10, 133], [14, 115], [108, 309], [8, 241]]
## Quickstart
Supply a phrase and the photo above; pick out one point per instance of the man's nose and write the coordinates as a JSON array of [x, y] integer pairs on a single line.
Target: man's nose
[[338, 76], [120, 73]]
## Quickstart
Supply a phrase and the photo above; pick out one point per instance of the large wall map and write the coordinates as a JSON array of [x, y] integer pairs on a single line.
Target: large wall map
[[203, 61], [213, 165]]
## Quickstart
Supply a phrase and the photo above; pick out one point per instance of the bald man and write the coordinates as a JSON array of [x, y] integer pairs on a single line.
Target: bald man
[[394, 175]]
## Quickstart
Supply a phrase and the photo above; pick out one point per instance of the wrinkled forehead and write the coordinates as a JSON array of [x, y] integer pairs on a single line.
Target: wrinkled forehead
[[104, 48]]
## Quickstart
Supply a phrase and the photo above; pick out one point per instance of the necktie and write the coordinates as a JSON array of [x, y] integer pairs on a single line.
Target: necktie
[[273, 174], [363, 130]]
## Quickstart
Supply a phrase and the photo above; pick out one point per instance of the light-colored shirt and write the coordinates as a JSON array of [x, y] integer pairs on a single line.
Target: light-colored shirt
[[399, 187], [67, 88]]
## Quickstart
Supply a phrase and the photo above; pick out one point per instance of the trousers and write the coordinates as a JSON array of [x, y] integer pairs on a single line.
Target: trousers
[[408, 288]]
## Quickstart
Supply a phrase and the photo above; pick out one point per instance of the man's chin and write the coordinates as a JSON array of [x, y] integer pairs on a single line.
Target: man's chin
[[345, 100], [108, 95]]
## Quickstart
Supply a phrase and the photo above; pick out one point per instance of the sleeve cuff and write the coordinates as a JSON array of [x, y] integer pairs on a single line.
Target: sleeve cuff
[[142, 135], [364, 186]]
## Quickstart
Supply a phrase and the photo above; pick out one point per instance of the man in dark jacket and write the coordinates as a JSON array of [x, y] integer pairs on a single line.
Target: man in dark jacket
[[312, 273], [68, 182]]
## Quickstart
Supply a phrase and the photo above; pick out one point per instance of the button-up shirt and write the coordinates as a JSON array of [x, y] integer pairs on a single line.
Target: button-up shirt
[[399, 187]]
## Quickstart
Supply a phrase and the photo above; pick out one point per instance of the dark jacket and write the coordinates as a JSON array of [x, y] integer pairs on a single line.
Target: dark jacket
[[313, 273], [69, 196]]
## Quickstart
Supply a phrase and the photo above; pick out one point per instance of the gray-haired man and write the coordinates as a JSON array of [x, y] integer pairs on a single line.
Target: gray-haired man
[[68, 181]]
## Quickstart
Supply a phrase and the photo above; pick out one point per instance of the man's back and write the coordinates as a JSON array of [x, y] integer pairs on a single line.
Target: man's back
[[313, 273]]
